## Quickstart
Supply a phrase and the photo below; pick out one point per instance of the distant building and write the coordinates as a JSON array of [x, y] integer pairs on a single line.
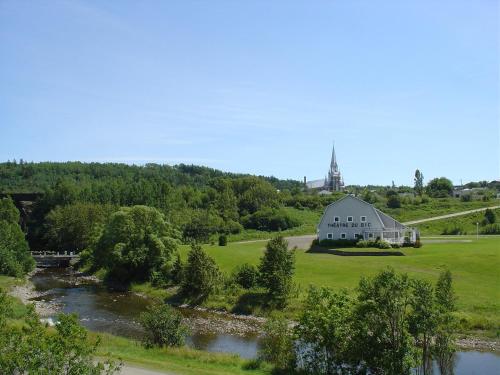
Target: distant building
[[332, 182], [351, 218]]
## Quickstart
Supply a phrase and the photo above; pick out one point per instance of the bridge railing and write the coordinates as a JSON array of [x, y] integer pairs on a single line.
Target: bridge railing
[[48, 253]]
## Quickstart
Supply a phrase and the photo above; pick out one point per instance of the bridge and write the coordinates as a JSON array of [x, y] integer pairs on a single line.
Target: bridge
[[54, 259]]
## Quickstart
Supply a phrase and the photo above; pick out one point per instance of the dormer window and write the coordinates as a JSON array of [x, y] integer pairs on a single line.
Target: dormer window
[[350, 219], [363, 219]]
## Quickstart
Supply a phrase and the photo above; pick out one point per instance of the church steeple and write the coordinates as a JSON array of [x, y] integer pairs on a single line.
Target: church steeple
[[335, 180], [333, 163]]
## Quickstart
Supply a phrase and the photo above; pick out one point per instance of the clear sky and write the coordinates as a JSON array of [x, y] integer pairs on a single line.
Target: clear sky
[[261, 87]]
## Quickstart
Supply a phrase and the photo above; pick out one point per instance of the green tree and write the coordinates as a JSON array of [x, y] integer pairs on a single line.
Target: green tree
[[393, 201], [325, 330], [419, 182], [75, 227], [489, 216], [202, 225], [34, 350], [423, 321], [201, 274], [276, 270], [163, 326], [439, 187], [444, 346], [136, 242], [15, 257], [277, 344], [381, 333]]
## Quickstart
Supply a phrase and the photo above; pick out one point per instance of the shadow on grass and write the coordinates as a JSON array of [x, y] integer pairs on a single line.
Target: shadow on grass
[[375, 253], [250, 301]]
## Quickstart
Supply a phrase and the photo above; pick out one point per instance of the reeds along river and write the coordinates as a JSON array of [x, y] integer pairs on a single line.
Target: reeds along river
[[117, 313]]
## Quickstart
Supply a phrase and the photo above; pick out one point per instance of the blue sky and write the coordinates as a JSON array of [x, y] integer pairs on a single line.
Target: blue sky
[[260, 87]]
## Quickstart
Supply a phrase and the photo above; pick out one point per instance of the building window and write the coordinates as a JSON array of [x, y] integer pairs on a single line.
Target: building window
[[349, 219], [370, 235], [336, 219], [363, 219], [329, 236], [358, 236], [343, 236]]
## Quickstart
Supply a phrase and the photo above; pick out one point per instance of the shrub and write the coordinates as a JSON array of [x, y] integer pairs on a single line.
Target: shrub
[[393, 201], [270, 219], [455, 230], [490, 216], [277, 346], [395, 246], [363, 244], [163, 326], [383, 245], [491, 229], [222, 240], [246, 276]]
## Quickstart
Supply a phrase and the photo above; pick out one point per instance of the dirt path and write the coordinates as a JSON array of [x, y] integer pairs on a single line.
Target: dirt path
[[450, 215]]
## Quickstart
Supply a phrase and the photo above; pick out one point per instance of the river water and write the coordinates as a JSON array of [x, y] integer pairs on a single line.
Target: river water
[[115, 312]]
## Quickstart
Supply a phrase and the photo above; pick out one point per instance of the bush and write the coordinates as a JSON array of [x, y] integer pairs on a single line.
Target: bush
[[383, 245], [163, 326], [393, 201], [278, 344], [455, 230], [222, 240], [246, 276], [270, 219], [491, 229], [363, 244], [489, 216]]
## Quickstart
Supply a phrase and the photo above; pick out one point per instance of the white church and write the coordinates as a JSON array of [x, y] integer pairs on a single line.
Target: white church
[[351, 218]]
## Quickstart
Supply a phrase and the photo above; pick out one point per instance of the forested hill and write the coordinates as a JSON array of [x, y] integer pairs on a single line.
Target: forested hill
[[31, 177], [201, 203]]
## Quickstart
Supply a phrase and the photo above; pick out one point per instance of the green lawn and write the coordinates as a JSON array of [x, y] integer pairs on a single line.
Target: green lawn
[[408, 212], [475, 266], [467, 223]]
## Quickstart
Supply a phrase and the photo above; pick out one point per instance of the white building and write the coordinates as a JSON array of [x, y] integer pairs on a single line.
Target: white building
[[351, 218]]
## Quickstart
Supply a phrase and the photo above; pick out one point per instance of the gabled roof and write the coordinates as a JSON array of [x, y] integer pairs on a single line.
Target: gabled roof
[[385, 220]]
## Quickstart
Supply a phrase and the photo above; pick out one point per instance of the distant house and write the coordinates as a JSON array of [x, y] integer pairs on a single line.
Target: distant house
[[351, 218], [472, 192]]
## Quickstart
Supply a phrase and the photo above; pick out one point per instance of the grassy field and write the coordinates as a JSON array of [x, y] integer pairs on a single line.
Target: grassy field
[[474, 265], [435, 207], [466, 222], [408, 212]]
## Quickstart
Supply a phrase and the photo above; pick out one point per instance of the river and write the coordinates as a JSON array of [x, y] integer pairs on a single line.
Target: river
[[103, 310]]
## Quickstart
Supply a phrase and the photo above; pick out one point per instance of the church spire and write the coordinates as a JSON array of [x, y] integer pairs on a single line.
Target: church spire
[[333, 163]]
